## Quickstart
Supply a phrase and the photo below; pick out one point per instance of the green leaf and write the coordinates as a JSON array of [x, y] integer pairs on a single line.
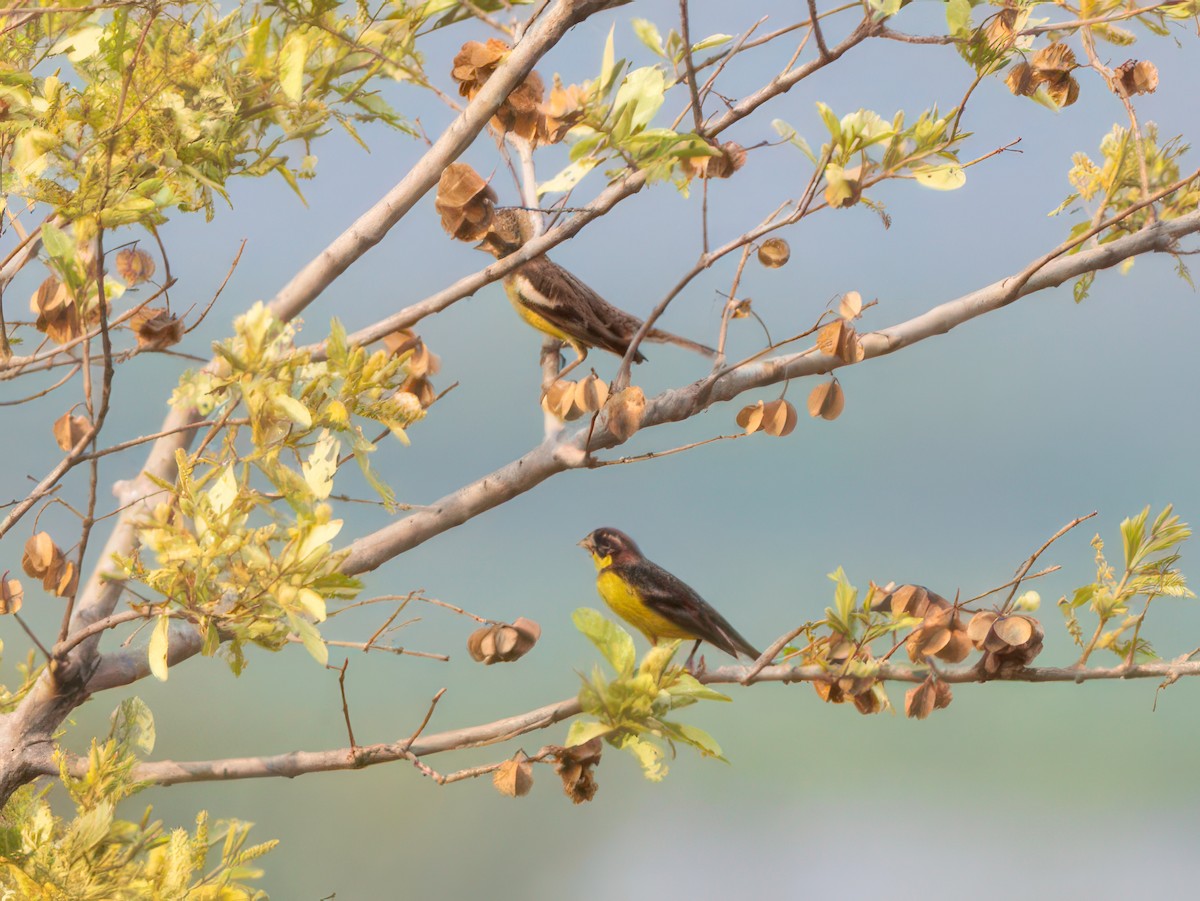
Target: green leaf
[[1133, 533], [958, 17], [310, 638], [701, 740], [648, 34], [831, 122], [640, 96], [582, 731], [133, 724], [57, 244], [713, 40], [569, 177], [292, 409], [223, 493], [157, 652], [688, 688], [650, 756], [321, 465], [610, 639], [292, 57], [792, 136], [948, 177]]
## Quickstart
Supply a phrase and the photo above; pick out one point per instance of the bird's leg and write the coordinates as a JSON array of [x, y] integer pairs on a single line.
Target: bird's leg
[[581, 355], [688, 664]]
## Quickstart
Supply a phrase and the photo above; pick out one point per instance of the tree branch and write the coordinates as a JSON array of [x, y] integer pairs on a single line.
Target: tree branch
[[544, 461], [299, 763]]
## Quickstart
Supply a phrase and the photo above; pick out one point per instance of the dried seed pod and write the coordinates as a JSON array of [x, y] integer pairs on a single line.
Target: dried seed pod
[[465, 202], [135, 266], [69, 430], [502, 642], [774, 253], [591, 393], [574, 766], [1134, 77], [474, 64], [625, 411], [514, 777], [11, 595], [750, 417], [156, 329], [562, 111], [41, 556], [778, 418], [826, 400], [850, 306]]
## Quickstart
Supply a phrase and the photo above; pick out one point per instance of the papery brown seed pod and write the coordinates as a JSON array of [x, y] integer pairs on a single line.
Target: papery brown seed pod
[[134, 266], [514, 777]]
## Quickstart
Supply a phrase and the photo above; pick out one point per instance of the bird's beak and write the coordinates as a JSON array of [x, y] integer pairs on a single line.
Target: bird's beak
[[587, 544]]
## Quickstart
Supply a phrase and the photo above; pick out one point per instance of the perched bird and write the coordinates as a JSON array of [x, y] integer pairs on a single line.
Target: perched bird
[[655, 602], [554, 301]]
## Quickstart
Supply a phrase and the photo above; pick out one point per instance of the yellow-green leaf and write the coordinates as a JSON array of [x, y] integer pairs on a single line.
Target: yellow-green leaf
[[291, 65], [582, 731], [321, 465], [159, 646], [949, 177]]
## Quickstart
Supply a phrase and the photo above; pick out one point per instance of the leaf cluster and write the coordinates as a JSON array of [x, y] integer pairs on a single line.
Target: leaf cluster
[[1151, 557], [631, 709], [96, 855], [243, 547]]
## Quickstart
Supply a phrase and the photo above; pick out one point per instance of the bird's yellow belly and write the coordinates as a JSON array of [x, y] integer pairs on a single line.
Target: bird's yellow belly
[[627, 604], [539, 322]]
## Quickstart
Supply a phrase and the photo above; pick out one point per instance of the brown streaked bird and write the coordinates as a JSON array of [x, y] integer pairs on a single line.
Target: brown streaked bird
[[555, 302], [653, 601]]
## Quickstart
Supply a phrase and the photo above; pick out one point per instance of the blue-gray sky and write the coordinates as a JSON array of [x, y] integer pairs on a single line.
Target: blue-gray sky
[[953, 460]]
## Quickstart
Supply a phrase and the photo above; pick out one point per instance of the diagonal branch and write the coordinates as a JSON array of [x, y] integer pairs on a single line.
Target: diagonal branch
[[546, 460]]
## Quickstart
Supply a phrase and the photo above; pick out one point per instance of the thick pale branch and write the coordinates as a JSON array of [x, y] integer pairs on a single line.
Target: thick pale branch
[[675, 405], [299, 763], [370, 228], [61, 689]]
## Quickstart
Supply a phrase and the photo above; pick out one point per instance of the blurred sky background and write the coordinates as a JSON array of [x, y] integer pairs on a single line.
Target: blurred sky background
[[953, 461]]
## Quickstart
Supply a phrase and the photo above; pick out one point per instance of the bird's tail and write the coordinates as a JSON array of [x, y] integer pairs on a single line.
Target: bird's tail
[[662, 337]]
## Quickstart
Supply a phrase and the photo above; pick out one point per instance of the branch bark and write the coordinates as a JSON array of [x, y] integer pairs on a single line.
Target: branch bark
[[299, 763], [548, 459]]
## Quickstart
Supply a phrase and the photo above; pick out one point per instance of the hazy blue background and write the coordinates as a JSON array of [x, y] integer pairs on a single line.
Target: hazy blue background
[[952, 462]]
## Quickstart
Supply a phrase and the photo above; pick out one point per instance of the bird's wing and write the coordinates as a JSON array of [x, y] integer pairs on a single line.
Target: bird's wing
[[569, 304], [675, 600]]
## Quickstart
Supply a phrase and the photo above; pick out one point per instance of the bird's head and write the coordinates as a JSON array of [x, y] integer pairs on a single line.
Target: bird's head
[[607, 545], [510, 229]]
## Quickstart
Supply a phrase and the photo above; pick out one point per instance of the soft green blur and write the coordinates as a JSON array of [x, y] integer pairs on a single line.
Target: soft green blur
[[953, 461]]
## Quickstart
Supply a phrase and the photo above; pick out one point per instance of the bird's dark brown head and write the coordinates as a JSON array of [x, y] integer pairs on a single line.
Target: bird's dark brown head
[[510, 229], [611, 544]]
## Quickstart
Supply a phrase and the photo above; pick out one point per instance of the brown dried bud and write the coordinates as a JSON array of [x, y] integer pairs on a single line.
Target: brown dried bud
[[930, 695], [465, 202], [574, 765], [1134, 77], [514, 777], [503, 643], [521, 111], [774, 252], [156, 329], [562, 111], [57, 314], [11, 595], [135, 266], [826, 400], [70, 430], [475, 63], [625, 412]]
